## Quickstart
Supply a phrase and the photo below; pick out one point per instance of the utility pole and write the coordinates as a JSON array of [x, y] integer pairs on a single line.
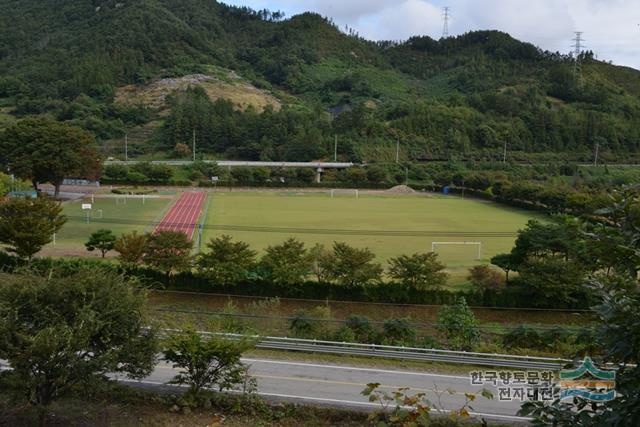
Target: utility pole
[[577, 51], [194, 146], [126, 147], [595, 160], [445, 16], [504, 153], [335, 149], [397, 151]]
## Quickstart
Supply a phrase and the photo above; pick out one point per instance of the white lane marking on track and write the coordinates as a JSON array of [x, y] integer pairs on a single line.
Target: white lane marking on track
[[183, 215], [180, 215], [166, 224]]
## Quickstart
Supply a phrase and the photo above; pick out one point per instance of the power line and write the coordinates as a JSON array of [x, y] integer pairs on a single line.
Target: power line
[[577, 51], [487, 327], [385, 304], [446, 15]]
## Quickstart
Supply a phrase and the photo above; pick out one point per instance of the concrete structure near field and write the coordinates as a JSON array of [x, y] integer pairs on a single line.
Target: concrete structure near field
[[319, 167]]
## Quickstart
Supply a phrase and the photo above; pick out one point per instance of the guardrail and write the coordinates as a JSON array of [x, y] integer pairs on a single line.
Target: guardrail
[[396, 352]]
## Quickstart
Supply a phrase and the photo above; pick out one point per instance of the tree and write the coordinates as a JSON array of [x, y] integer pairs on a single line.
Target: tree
[[58, 333], [320, 258], [619, 333], [351, 266], [484, 277], [26, 225], [168, 251], [506, 262], [42, 150], [459, 326], [131, 248], [553, 282], [561, 238], [102, 240], [207, 362], [377, 174], [421, 271], [5, 184], [226, 262], [287, 263]]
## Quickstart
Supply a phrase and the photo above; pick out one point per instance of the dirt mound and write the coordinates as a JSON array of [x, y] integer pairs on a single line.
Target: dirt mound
[[401, 189], [230, 86]]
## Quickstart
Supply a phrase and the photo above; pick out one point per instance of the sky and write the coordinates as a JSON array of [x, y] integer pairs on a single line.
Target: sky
[[611, 27]]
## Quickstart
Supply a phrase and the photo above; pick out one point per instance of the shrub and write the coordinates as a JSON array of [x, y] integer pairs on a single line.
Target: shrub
[[312, 324], [523, 337], [459, 326], [136, 177], [361, 327], [399, 332], [485, 277], [207, 363], [303, 325], [345, 334]]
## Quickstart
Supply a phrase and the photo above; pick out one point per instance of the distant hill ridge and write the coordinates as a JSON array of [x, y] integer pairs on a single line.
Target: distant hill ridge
[[71, 59]]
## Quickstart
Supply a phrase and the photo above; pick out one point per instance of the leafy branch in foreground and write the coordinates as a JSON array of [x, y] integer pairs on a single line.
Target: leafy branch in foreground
[[399, 408], [59, 333]]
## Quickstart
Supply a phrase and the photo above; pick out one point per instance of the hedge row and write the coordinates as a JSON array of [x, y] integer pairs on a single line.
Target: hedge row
[[387, 292]]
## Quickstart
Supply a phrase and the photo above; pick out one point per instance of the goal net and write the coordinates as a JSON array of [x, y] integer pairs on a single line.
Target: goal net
[[344, 192]]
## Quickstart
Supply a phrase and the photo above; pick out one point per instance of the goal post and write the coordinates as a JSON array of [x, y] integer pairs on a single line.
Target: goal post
[[434, 245], [344, 192]]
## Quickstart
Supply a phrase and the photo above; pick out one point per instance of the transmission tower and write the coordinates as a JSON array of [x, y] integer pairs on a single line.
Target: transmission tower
[[445, 16], [577, 51]]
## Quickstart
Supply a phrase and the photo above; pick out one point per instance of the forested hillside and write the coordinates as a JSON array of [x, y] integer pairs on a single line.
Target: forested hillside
[[463, 97]]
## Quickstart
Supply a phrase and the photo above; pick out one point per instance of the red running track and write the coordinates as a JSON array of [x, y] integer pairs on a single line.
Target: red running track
[[183, 215]]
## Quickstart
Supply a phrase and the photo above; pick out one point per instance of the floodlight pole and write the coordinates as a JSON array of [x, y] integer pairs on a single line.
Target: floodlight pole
[[398, 151], [194, 146], [126, 147], [335, 149]]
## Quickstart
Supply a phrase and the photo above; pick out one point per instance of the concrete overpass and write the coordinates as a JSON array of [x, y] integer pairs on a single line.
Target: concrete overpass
[[318, 166]]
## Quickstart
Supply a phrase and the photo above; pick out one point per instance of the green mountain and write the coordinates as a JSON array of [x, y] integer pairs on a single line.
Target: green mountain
[[257, 86]]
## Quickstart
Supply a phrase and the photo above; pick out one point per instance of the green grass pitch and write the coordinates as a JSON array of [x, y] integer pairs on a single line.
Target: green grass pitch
[[369, 212], [117, 217]]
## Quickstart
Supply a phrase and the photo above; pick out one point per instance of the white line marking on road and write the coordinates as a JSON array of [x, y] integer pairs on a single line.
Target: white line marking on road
[[343, 402], [349, 368]]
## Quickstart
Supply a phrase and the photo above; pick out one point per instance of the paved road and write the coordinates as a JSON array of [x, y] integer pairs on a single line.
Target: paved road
[[340, 386]]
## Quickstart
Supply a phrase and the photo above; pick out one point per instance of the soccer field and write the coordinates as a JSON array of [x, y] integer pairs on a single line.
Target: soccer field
[[389, 225], [109, 213]]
